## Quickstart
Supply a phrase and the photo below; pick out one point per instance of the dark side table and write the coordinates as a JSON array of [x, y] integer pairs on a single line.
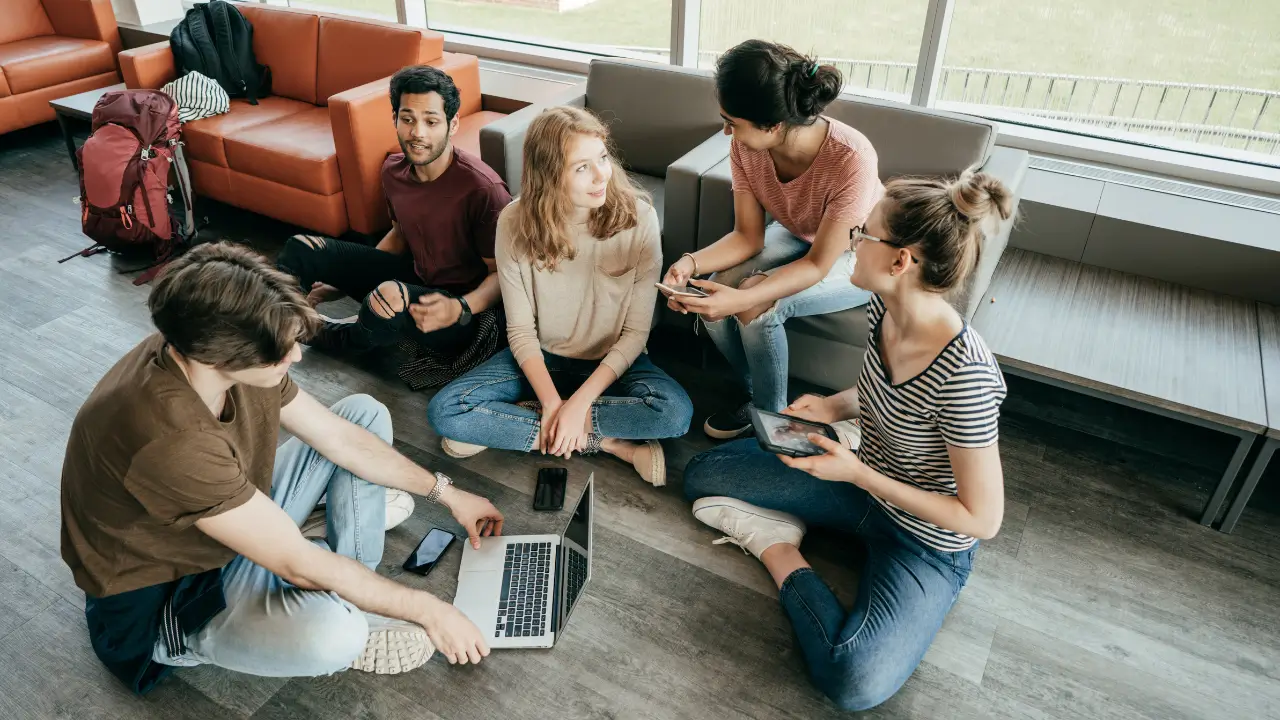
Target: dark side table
[[74, 112]]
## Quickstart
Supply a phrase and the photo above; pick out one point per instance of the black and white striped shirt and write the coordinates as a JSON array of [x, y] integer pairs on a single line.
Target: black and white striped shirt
[[906, 427]]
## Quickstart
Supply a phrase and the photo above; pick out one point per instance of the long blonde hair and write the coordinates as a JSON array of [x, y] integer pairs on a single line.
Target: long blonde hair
[[540, 222]]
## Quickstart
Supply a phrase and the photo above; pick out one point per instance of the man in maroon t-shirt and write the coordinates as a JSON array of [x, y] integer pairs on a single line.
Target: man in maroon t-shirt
[[434, 270]]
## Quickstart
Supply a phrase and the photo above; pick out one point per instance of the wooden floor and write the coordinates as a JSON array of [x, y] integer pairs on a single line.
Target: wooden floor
[[1101, 597]]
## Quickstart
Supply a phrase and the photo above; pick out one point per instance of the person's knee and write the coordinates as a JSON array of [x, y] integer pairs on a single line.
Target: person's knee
[[747, 316], [445, 409], [367, 412], [332, 639], [388, 299], [700, 476], [676, 410], [861, 688]]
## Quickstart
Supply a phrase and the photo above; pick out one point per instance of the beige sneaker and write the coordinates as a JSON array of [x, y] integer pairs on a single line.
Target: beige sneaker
[[749, 527], [394, 647], [399, 508], [460, 450]]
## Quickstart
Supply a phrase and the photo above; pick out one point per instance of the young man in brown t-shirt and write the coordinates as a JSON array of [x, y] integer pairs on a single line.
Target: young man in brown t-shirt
[[434, 270], [180, 516]]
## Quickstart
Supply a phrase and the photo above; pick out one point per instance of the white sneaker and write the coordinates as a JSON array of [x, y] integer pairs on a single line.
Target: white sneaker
[[394, 647], [751, 528], [399, 508], [460, 450]]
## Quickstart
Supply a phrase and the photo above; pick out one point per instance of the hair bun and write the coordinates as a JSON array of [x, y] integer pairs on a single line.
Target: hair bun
[[981, 197], [813, 87]]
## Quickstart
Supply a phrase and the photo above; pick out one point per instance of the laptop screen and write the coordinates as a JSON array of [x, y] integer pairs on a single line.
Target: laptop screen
[[575, 563]]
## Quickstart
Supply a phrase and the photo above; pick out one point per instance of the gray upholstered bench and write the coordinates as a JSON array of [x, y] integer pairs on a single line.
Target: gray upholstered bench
[[1269, 324], [1181, 352]]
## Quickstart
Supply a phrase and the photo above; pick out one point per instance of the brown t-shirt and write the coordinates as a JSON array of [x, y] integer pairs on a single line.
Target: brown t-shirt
[[448, 223], [146, 459]]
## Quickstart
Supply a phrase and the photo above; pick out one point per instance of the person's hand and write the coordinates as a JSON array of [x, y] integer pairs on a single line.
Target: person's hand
[[453, 634], [435, 312], [475, 514], [321, 293], [721, 301], [680, 272], [678, 275], [570, 431], [547, 426], [813, 408], [838, 464]]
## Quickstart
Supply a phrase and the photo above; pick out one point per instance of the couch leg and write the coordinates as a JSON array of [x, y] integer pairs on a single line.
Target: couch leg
[[1214, 506], [1250, 482]]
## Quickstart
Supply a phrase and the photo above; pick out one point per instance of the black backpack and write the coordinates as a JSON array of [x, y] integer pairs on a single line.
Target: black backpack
[[216, 41]]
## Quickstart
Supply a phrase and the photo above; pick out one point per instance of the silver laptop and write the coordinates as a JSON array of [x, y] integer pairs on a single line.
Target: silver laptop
[[520, 589]]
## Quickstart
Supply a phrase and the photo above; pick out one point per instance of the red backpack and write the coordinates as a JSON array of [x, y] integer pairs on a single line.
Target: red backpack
[[124, 177]]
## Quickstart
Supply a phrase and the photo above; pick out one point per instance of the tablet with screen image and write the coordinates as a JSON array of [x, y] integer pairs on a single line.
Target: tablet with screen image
[[786, 435]]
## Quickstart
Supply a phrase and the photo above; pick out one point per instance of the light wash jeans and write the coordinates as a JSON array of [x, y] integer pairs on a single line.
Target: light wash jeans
[[480, 407], [275, 629], [860, 657], [757, 351]]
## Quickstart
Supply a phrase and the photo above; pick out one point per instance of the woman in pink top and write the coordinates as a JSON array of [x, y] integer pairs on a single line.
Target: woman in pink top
[[818, 178]]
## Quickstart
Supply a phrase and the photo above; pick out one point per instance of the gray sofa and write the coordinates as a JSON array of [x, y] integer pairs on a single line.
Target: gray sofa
[[827, 350], [666, 127]]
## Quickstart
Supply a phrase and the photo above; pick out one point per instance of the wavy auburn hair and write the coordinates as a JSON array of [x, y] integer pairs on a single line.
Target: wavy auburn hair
[[540, 223]]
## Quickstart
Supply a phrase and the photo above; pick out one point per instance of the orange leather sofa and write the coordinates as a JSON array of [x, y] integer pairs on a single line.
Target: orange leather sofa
[[311, 153], [50, 49]]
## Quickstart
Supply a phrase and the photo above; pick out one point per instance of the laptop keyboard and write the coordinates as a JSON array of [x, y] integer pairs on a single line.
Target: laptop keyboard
[[577, 576], [526, 575]]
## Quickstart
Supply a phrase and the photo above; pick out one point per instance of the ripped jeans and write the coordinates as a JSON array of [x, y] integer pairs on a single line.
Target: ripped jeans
[[757, 351], [384, 283]]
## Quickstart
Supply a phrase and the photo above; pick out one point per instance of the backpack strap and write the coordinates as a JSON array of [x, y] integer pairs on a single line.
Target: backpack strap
[[184, 187]]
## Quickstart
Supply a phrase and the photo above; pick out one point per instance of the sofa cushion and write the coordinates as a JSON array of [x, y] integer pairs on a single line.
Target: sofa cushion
[[847, 326], [204, 138], [4, 86], [657, 189], [353, 53], [911, 140], [41, 62], [655, 113], [287, 43], [468, 135], [23, 19], [297, 151]]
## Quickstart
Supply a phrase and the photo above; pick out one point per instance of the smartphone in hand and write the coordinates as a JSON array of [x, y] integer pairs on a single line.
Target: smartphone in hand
[[686, 290]]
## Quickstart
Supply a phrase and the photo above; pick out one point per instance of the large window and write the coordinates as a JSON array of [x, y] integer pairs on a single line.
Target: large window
[[875, 43], [640, 28], [1190, 74], [377, 9]]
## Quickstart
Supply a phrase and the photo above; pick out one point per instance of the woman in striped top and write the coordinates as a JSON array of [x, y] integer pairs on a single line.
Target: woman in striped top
[[818, 178], [925, 483]]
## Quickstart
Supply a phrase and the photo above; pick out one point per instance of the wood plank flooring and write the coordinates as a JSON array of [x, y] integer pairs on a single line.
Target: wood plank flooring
[[1101, 597]]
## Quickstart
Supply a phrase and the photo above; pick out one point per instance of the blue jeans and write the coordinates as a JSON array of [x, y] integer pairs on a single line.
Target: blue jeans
[[480, 407], [861, 657], [271, 627], [757, 351]]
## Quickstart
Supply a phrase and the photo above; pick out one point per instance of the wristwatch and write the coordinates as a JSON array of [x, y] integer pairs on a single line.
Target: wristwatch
[[442, 482], [465, 317]]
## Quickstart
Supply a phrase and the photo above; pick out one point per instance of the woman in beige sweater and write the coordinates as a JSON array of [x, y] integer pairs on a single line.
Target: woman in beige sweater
[[578, 254]]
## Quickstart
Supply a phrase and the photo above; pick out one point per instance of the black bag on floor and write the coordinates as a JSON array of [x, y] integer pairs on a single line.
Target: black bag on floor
[[215, 40]]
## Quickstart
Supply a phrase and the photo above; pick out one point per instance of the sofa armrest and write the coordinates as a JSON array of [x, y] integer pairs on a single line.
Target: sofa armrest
[[364, 134], [148, 67], [88, 19], [684, 179], [502, 141], [1010, 167]]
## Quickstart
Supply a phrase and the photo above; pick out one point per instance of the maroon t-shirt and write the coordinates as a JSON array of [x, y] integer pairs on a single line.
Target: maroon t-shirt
[[448, 223]]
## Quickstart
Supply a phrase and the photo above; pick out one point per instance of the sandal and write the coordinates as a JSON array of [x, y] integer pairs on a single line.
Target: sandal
[[651, 462]]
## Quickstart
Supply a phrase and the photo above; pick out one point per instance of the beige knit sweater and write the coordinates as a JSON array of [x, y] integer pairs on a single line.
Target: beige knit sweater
[[597, 306]]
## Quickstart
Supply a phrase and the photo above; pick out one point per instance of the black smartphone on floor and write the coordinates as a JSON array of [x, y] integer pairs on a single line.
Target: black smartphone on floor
[[548, 496], [429, 551]]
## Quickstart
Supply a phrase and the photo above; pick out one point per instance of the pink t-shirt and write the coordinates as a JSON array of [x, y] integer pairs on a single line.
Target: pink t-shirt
[[843, 183]]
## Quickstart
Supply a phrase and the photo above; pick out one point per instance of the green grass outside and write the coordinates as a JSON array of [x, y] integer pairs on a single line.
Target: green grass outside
[[1217, 42]]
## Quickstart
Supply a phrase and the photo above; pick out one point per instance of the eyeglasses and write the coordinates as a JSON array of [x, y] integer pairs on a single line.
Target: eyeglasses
[[856, 234]]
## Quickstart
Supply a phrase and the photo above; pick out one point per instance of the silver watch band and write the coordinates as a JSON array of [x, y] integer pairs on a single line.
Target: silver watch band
[[442, 481]]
